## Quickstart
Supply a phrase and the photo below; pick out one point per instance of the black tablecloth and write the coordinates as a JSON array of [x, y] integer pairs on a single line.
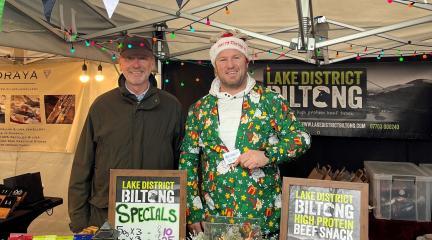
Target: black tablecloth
[[381, 229]]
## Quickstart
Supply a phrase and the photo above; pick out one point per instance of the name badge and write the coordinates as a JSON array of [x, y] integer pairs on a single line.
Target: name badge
[[231, 157]]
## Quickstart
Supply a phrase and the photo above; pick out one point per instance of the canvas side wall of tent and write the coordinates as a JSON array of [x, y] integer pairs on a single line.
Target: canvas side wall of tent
[[54, 167]]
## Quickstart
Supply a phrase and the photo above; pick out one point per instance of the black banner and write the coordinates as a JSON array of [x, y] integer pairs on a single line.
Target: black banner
[[317, 92], [368, 100], [361, 99]]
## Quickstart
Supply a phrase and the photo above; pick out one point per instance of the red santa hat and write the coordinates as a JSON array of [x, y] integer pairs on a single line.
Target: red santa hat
[[228, 41]]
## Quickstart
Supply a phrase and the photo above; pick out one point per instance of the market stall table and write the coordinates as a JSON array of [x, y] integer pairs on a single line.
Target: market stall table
[[380, 229], [19, 220]]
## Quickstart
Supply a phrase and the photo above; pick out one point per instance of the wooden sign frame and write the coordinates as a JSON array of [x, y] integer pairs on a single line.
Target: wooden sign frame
[[181, 174], [288, 183]]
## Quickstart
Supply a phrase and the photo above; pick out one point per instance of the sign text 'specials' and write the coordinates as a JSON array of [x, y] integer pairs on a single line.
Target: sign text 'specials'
[[148, 204]]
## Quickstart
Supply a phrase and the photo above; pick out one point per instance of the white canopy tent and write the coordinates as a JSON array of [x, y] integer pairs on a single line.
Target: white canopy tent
[[354, 28], [271, 25]]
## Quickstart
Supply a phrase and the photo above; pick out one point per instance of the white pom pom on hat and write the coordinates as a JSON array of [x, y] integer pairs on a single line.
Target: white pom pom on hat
[[228, 42]]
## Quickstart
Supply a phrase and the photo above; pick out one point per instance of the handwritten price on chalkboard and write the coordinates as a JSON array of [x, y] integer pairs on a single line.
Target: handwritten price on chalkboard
[[167, 234], [137, 234], [133, 234]]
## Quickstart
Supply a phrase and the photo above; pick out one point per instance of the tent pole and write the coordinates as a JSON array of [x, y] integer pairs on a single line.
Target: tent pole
[[386, 36], [375, 31], [159, 79]]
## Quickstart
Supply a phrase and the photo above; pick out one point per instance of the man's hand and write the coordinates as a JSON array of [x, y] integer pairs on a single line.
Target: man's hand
[[252, 159], [196, 227]]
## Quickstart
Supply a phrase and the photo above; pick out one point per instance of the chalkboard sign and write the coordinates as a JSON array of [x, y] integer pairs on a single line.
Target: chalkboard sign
[[148, 204], [321, 209]]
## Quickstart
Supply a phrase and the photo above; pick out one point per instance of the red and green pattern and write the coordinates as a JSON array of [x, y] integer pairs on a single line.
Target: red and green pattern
[[266, 124]]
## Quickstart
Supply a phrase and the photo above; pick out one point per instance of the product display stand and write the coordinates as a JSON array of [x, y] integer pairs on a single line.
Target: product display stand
[[19, 220]]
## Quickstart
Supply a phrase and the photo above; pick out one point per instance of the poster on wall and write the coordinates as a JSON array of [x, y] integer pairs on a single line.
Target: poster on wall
[[321, 209], [386, 100], [148, 204], [37, 106], [42, 104]]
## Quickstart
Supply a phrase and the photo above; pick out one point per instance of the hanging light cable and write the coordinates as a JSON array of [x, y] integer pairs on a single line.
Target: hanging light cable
[[84, 77], [99, 76], [227, 11], [191, 29], [72, 49], [358, 57]]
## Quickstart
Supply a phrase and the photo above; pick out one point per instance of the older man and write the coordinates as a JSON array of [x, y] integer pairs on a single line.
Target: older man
[[240, 131], [134, 126]]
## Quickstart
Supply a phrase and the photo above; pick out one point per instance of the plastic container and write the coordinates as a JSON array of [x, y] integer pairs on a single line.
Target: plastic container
[[219, 227], [427, 169], [399, 190]]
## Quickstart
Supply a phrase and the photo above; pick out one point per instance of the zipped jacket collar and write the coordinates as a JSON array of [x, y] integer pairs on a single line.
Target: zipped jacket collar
[[151, 99]]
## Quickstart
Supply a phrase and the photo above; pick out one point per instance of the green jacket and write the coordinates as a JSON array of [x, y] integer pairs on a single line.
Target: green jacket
[[120, 133], [266, 124]]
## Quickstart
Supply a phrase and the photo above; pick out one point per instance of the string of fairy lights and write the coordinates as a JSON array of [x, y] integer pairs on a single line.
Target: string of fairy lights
[[411, 3], [361, 50], [208, 22], [112, 46]]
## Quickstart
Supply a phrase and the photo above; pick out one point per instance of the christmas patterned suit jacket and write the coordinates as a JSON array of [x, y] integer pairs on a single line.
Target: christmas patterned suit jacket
[[266, 124]]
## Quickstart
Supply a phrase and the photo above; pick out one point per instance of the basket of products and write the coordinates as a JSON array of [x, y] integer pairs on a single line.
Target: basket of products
[[231, 228]]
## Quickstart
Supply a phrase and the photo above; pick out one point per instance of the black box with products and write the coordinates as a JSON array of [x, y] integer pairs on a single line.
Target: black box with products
[[31, 183]]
